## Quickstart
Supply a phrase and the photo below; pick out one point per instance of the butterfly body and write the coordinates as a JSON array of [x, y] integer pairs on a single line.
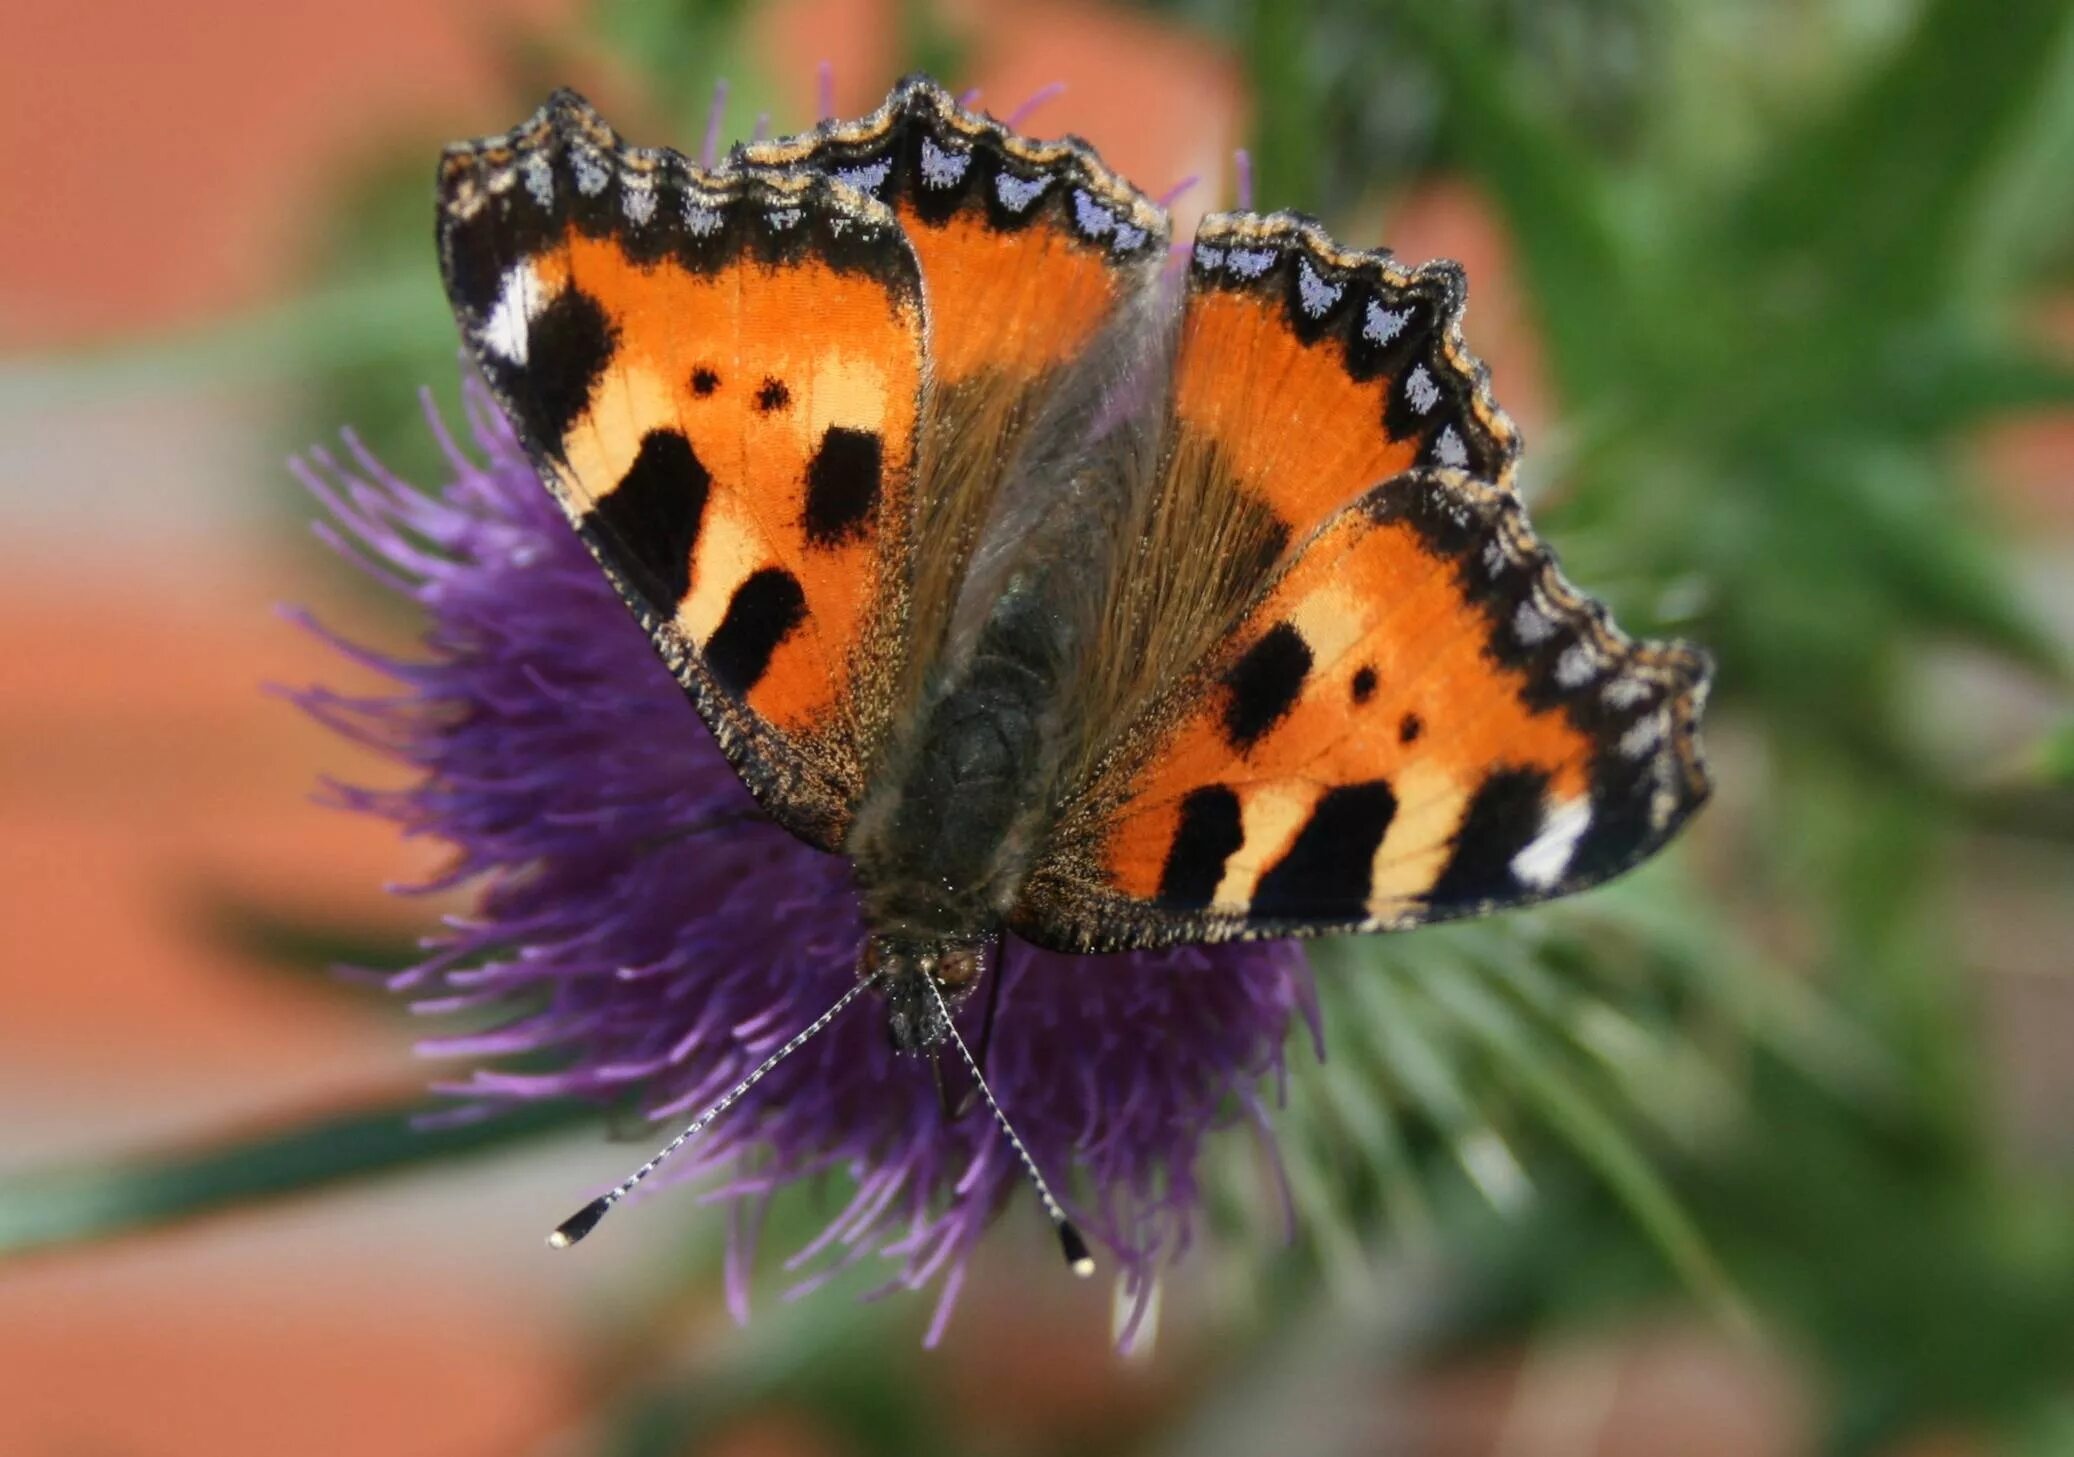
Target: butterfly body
[[1060, 601]]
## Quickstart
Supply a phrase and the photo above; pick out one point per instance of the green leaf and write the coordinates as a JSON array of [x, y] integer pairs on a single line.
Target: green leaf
[[2056, 757], [1559, 1096], [46, 1208], [1285, 127], [1915, 149], [1556, 195]]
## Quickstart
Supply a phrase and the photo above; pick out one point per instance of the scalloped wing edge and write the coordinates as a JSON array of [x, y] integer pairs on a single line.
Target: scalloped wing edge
[[1373, 287], [1102, 207]]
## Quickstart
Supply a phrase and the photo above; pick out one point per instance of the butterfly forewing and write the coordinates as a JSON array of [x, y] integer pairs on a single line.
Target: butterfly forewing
[[720, 377]]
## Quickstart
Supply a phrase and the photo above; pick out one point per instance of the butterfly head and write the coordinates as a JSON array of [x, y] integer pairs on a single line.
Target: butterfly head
[[903, 967]]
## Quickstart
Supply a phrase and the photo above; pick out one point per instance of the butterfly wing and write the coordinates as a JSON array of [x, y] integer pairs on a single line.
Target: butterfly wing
[[1028, 250], [1309, 372], [1302, 374], [719, 377], [1418, 719], [1343, 688]]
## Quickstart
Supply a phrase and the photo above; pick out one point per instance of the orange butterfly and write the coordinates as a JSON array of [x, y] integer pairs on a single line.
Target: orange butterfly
[[1055, 606]]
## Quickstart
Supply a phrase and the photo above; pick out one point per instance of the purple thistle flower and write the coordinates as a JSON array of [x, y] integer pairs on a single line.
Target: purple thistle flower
[[643, 937]]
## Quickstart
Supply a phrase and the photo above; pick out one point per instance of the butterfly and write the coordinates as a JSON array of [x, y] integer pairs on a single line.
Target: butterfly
[[1066, 590]]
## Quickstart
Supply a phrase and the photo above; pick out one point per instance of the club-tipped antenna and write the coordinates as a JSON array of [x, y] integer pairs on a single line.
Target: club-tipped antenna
[[584, 1220], [1078, 1260]]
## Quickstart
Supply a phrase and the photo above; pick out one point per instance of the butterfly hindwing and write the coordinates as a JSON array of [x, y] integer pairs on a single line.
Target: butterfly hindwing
[[719, 376], [1418, 719]]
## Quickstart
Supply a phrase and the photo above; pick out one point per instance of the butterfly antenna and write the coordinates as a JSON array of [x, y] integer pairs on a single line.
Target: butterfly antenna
[[584, 1220], [1078, 1260]]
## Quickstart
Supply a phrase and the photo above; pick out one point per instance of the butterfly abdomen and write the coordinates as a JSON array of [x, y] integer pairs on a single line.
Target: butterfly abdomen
[[942, 847]]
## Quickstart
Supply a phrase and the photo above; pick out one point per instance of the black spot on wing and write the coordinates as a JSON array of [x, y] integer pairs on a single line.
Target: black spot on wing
[[842, 485], [772, 395], [1263, 685], [569, 346], [653, 516], [1363, 686], [1328, 870], [764, 611], [1409, 728], [704, 381], [1503, 815], [1206, 837]]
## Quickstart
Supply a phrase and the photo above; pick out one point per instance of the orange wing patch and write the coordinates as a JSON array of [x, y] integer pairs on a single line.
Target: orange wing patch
[[1019, 304], [784, 384], [1311, 372], [1026, 246], [720, 377], [1418, 719]]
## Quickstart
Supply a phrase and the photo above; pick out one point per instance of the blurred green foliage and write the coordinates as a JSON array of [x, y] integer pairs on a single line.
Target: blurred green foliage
[[1782, 259]]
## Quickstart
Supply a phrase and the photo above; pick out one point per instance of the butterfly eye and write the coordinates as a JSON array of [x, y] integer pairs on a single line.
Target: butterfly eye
[[959, 966]]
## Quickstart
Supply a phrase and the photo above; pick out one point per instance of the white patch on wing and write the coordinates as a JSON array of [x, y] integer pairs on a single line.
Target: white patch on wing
[[1420, 389], [1542, 863], [1449, 448], [866, 178], [519, 302], [591, 173], [1644, 736], [1382, 325], [1315, 294], [702, 221], [942, 167], [1626, 692], [1531, 625], [1017, 193], [1576, 666], [1094, 219], [540, 179], [1251, 262]]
